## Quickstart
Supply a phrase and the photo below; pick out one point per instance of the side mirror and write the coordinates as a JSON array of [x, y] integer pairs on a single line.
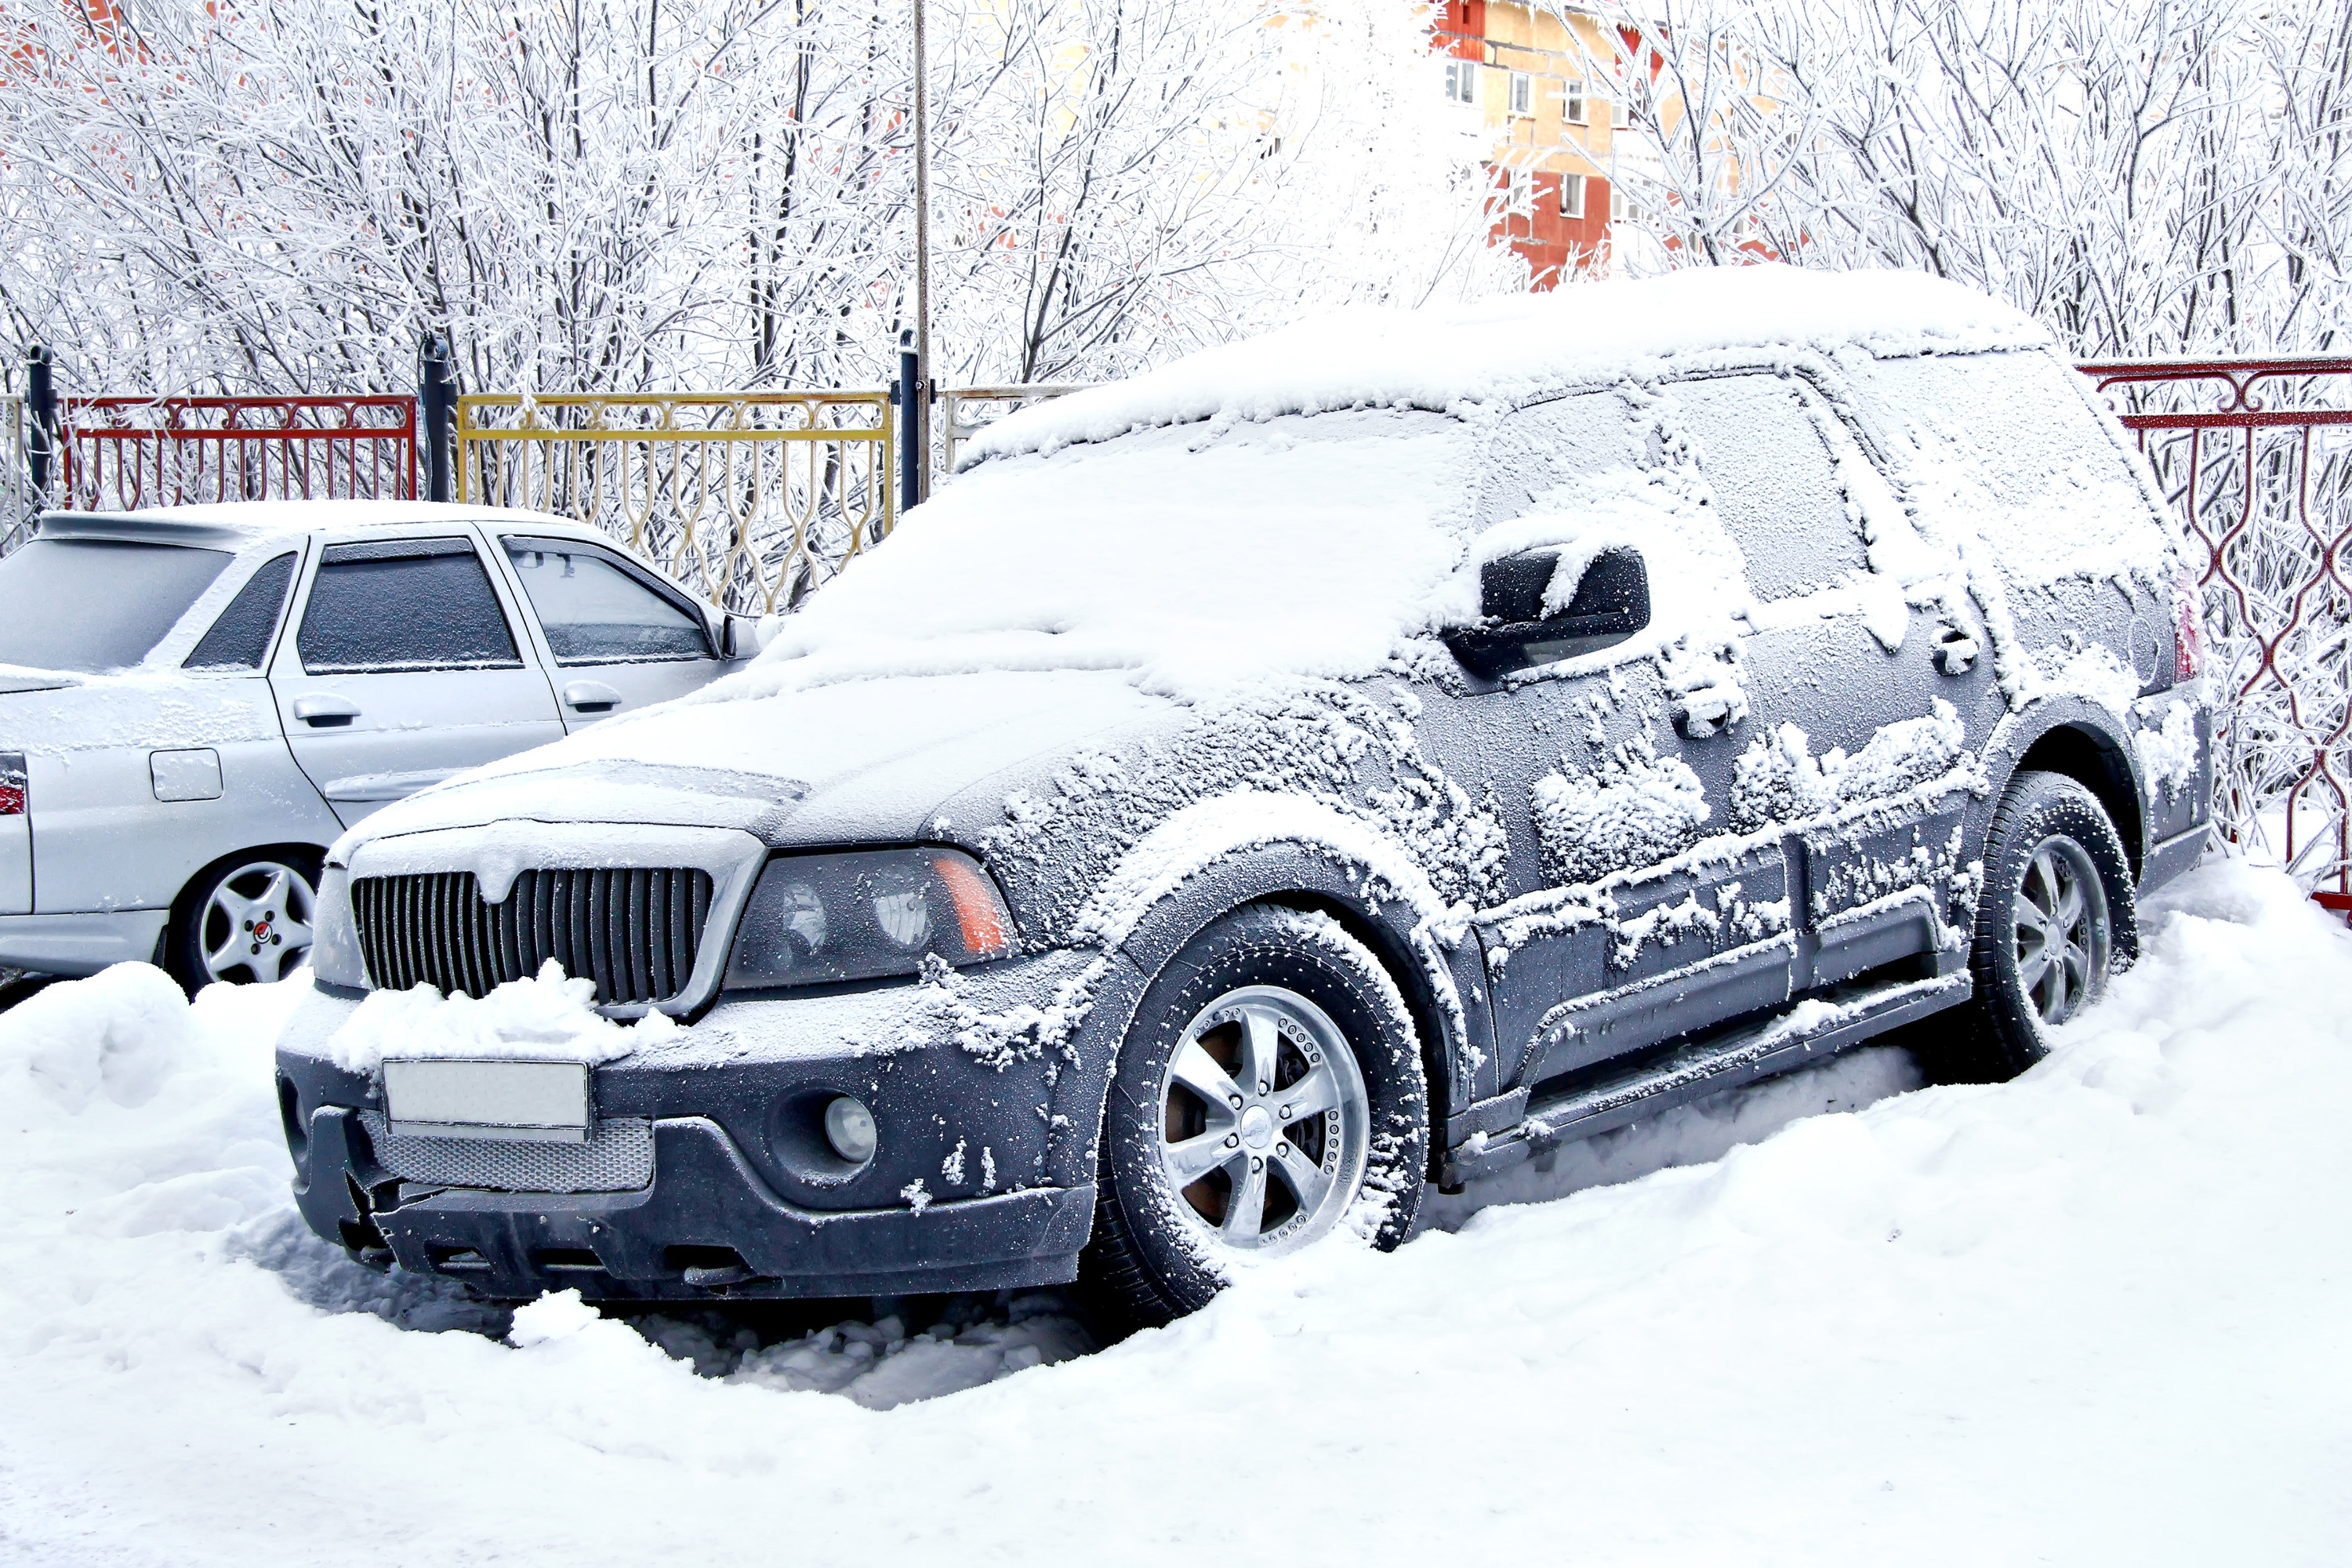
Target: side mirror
[[738, 634], [1611, 603]]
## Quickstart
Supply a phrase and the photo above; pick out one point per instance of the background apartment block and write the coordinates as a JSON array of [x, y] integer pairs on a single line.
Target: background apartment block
[[1539, 125]]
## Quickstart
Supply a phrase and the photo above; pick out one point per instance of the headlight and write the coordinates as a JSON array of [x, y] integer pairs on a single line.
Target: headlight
[[865, 913]]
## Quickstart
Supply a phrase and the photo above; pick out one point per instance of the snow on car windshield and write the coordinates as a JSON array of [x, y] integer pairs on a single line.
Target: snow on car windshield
[[93, 604], [1201, 559]]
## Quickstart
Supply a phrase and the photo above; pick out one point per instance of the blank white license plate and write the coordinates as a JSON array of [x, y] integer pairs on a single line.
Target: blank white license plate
[[546, 1102]]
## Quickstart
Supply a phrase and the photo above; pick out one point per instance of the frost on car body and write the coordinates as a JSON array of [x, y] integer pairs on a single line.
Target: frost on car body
[[1316, 625]]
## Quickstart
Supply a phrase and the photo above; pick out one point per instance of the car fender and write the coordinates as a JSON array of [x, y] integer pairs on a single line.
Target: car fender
[[1249, 848]]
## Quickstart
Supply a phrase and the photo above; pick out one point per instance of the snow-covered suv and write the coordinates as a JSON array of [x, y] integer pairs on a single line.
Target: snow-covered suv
[[1364, 756]]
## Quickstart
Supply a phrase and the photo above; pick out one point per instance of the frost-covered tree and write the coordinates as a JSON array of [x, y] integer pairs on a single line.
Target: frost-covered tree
[[287, 195]]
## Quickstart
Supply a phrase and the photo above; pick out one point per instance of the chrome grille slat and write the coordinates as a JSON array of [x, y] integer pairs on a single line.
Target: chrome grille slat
[[635, 931]]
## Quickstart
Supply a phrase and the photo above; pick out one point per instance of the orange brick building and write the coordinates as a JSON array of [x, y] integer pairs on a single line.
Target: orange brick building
[[1542, 130]]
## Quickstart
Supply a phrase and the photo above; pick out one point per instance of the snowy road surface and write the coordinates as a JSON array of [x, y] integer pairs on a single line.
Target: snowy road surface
[[2101, 1315]]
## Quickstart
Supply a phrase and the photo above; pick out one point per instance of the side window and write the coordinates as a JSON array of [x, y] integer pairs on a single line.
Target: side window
[[1775, 487], [404, 604], [1566, 455], [240, 639], [595, 610]]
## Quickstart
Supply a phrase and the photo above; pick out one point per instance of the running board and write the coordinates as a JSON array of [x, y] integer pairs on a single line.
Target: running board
[[1814, 1027]]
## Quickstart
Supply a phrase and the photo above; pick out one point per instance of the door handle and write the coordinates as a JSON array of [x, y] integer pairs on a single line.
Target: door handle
[[325, 713], [590, 697], [1956, 651]]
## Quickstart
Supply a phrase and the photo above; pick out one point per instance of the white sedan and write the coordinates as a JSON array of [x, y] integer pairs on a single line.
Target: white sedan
[[195, 701]]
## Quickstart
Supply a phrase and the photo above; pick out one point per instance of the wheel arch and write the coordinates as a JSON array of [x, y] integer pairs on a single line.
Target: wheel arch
[[1455, 1037], [2073, 738]]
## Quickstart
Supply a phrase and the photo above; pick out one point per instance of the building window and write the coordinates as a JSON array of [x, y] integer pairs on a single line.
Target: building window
[[1523, 93], [1462, 81], [1518, 192], [1571, 195], [1621, 114], [1571, 97], [1616, 205]]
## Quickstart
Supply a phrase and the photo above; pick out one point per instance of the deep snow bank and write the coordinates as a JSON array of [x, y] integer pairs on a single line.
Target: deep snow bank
[[2092, 1316]]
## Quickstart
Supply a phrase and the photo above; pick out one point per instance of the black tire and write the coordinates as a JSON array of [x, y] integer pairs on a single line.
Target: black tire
[[199, 925], [1160, 1251], [2003, 1029]]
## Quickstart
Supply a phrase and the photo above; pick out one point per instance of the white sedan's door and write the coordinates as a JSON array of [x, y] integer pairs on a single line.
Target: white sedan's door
[[617, 637], [406, 668]]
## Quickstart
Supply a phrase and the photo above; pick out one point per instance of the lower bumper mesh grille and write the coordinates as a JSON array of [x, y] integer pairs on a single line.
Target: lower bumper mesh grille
[[634, 930], [618, 1157]]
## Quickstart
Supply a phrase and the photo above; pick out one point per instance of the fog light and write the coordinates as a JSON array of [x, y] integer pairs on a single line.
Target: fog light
[[849, 1128]]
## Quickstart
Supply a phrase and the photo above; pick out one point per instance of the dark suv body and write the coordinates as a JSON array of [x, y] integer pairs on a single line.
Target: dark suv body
[[1088, 882]]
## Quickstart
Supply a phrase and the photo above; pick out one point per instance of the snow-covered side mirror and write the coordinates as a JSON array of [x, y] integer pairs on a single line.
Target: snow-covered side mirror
[[1611, 603]]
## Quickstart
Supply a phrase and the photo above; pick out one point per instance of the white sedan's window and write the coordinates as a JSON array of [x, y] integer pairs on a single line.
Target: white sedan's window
[[408, 604], [595, 611]]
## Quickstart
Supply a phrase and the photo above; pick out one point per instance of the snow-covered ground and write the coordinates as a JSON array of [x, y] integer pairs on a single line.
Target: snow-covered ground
[[2098, 1316]]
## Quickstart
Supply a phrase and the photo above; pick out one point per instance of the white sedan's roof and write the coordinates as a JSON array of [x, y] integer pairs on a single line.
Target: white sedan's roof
[[237, 525]]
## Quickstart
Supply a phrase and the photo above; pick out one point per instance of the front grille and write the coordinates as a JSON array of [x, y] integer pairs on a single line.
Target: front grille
[[618, 1157], [635, 931]]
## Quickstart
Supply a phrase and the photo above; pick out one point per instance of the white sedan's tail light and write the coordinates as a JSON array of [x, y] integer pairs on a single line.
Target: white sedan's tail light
[[12, 783]]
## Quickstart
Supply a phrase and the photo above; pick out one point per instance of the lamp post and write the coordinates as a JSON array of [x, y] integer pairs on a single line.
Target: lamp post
[[919, 409]]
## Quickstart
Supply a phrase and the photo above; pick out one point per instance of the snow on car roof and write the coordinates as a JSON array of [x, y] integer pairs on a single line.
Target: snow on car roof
[[1510, 348]]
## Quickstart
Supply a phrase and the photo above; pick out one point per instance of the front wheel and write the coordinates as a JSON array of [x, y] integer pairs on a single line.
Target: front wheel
[[1269, 1092], [2055, 919], [243, 921]]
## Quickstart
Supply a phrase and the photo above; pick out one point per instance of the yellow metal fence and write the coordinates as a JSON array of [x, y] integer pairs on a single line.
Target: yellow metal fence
[[751, 499]]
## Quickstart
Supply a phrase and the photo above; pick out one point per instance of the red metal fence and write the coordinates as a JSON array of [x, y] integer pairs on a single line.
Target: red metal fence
[[2257, 455], [120, 453]]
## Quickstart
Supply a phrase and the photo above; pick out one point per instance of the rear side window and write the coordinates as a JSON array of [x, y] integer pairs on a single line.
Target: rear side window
[[240, 639], [2006, 446], [595, 610], [90, 605], [1775, 486], [406, 603]]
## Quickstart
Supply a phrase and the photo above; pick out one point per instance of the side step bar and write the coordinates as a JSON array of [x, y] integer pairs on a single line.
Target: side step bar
[[1818, 1026]]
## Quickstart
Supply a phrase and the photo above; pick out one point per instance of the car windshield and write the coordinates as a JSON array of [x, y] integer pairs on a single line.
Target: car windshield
[[90, 605]]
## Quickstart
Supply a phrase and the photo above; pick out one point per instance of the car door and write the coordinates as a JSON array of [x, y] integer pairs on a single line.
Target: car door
[[1614, 767], [1860, 751], [405, 667], [615, 636]]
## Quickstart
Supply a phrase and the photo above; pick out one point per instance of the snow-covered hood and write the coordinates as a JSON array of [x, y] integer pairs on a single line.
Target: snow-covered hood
[[858, 763]]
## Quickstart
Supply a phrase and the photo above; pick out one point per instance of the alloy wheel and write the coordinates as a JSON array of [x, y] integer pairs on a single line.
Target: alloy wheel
[[256, 926], [2062, 929], [1265, 1121]]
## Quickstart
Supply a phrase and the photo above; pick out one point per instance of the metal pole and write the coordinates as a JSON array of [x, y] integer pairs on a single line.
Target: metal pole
[[436, 392], [910, 440], [41, 409], [917, 410]]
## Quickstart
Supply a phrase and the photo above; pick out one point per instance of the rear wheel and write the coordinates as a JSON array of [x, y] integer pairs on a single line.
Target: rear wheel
[[1269, 1092], [2055, 918], [243, 920]]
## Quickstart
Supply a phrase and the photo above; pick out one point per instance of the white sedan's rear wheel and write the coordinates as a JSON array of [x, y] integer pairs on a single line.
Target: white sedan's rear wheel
[[247, 921]]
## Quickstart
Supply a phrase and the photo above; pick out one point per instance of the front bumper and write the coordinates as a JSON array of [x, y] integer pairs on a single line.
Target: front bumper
[[723, 1187], [78, 944]]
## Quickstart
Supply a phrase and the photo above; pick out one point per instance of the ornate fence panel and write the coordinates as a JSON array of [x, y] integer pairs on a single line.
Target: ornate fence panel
[[2257, 454], [121, 453], [752, 498], [971, 409]]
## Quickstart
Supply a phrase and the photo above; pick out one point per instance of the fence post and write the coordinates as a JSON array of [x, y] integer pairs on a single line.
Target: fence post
[[910, 428], [41, 419], [437, 396]]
